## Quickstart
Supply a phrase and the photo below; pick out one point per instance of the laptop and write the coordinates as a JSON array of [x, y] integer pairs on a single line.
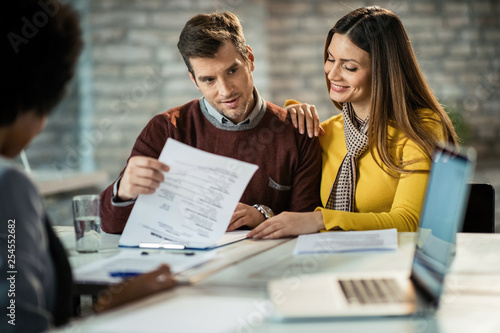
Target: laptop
[[359, 294]]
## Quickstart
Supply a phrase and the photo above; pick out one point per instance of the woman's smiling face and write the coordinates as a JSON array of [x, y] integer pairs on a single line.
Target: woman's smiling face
[[349, 70]]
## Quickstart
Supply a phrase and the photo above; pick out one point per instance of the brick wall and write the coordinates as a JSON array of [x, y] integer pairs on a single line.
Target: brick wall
[[132, 70], [135, 71]]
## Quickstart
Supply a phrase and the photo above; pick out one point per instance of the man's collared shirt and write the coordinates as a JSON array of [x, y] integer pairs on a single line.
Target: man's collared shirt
[[227, 122]]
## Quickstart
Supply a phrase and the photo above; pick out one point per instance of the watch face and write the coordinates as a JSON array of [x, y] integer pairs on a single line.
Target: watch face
[[264, 210], [268, 211]]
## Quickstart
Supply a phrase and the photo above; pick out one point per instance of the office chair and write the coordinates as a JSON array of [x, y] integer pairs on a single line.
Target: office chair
[[480, 213]]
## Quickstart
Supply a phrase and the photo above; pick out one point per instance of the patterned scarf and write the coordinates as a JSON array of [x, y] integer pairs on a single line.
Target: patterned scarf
[[343, 188]]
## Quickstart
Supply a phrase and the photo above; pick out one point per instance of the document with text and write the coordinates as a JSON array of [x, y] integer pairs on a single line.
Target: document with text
[[193, 206], [129, 263], [343, 241]]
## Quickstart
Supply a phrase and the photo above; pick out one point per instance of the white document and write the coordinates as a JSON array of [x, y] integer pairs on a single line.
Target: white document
[[135, 262], [328, 242], [194, 205]]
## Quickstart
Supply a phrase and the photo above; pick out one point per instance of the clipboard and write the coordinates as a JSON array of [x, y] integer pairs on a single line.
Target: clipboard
[[226, 239]]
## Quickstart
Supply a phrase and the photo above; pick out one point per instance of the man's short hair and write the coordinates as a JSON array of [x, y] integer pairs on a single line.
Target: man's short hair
[[204, 34], [41, 41]]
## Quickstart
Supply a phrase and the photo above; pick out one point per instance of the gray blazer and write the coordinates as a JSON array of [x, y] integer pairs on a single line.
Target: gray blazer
[[41, 275]]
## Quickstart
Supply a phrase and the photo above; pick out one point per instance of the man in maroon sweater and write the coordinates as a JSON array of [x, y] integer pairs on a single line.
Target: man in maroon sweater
[[230, 120]]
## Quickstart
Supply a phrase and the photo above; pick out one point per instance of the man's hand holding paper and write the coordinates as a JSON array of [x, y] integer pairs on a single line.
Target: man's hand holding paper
[[142, 175], [195, 202]]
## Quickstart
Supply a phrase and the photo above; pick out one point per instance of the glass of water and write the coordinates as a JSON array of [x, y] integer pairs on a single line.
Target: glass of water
[[87, 223]]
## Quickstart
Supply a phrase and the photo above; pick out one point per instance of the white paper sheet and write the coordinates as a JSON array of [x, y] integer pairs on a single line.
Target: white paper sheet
[[137, 262], [194, 205], [328, 242]]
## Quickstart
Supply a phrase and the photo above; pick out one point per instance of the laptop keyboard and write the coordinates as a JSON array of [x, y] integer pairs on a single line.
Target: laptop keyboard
[[372, 291]]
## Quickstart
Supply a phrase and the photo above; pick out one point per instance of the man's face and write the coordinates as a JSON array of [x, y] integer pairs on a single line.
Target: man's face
[[226, 81]]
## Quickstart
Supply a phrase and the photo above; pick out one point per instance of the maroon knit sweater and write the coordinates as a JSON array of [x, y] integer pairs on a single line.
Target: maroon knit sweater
[[289, 173]]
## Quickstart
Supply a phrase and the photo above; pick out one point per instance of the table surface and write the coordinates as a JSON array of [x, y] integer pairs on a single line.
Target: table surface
[[228, 294]]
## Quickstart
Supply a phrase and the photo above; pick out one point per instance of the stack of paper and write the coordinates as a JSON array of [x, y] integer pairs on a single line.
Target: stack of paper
[[328, 242]]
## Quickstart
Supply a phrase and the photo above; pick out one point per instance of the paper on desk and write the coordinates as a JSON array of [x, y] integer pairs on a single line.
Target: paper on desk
[[327, 242], [194, 205], [134, 261]]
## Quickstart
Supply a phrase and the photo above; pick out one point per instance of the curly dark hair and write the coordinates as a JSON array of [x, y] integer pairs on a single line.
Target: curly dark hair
[[40, 44]]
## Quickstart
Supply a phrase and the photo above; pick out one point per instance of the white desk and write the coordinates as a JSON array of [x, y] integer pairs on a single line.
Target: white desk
[[232, 298]]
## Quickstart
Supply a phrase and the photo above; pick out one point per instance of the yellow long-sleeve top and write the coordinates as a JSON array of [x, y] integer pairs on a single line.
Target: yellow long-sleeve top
[[381, 201]]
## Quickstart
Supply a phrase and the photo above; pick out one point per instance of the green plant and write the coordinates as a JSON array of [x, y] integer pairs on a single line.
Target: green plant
[[460, 124]]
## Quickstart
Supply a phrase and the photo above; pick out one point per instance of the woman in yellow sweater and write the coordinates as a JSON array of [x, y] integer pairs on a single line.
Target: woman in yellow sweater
[[377, 152]]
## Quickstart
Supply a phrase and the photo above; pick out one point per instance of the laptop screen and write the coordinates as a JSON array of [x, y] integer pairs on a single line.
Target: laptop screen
[[441, 218]]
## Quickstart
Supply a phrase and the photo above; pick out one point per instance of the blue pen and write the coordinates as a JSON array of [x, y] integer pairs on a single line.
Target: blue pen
[[123, 274]]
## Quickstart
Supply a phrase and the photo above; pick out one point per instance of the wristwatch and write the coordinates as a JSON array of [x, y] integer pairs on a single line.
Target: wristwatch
[[264, 210]]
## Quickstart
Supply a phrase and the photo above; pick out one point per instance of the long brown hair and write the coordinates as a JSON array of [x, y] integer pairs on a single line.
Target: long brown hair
[[399, 90]]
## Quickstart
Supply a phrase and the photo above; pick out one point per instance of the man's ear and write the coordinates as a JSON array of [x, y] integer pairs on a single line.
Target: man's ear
[[251, 57], [193, 79]]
